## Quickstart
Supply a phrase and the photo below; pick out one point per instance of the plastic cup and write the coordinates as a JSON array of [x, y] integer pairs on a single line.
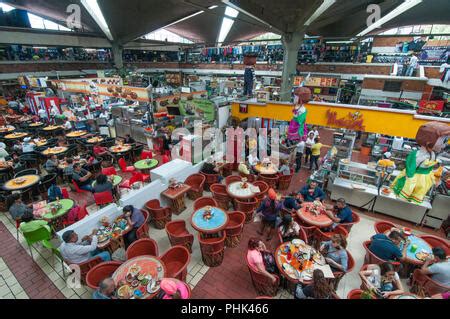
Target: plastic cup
[[413, 248]]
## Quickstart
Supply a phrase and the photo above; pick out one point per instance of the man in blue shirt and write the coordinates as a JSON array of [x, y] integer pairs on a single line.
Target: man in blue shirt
[[312, 192], [387, 247], [343, 213], [105, 290], [292, 202]]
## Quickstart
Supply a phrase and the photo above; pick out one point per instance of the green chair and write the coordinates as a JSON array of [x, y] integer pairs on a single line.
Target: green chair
[[39, 235], [55, 253]]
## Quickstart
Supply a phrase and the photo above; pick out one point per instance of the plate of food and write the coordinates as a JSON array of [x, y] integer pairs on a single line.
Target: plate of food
[[319, 259], [102, 238], [386, 191], [407, 231], [422, 255], [124, 292], [152, 287], [297, 242], [289, 269], [134, 270], [20, 180]]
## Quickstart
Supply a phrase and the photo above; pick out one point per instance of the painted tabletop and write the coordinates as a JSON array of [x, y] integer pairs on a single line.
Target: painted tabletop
[[52, 127], [66, 206], [28, 180], [120, 148], [76, 133], [55, 150], [422, 246], [16, 135], [146, 164], [321, 220], [116, 180], [94, 140], [235, 190], [218, 221], [8, 128]]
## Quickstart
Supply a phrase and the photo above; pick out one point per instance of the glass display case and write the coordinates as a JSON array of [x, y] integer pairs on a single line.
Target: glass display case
[[357, 173]]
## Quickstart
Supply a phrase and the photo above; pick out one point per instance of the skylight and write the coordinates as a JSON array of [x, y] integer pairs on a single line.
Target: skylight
[[96, 13], [227, 23], [230, 12], [37, 22], [163, 35], [6, 7]]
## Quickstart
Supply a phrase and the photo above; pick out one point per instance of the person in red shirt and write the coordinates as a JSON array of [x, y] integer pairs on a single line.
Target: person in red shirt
[[100, 150]]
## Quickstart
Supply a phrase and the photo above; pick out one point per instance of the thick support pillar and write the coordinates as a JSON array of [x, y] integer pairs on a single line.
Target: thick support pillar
[[117, 51], [291, 44]]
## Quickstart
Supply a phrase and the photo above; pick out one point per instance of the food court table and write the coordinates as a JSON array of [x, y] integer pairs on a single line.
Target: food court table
[[52, 128], [176, 197], [63, 164], [16, 135], [146, 164], [5, 166], [120, 148], [215, 225], [7, 129], [266, 170], [55, 150], [310, 218], [75, 134], [36, 124], [297, 261], [40, 142], [143, 273], [94, 140], [116, 180], [22, 182], [236, 190], [56, 218], [423, 248]]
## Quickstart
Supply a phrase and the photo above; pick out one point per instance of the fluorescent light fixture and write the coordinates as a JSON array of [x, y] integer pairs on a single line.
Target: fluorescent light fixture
[[337, 42], [227, 23], [405, 6], [326, 4], [230, 12], [6, 7], [94, 10], [232, 5], [182, 19], [213, 7]]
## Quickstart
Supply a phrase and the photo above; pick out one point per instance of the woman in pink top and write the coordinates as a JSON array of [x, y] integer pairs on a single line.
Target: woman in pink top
[[174, 289], [255, 258]]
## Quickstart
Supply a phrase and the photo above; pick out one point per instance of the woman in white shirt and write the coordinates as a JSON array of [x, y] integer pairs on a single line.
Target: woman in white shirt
[[252, 160], [308, 146]]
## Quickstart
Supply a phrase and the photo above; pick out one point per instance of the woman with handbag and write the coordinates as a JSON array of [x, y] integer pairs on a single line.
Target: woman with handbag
[[258, 258]]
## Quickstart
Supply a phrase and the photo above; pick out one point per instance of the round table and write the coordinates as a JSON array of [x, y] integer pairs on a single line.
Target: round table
[[94, 140], [36, 124], [116, 180], [422, 245], [297, 269], [7, 129], [321, 220], [41, 142], [63, 164], [52, 127], [120, 148], [146, 164], [66, 206], [149, 265], [14, 136], [55, 150], [75, 134], [270, 170], [235, 190], [4, 166], [217, 223], [30, 180]]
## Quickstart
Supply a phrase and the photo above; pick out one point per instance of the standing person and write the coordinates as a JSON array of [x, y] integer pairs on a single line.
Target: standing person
[[299, 154], [413, 65], [270, 209], [135, 219], [315, 153], [318, 289], [315, 131], [308, 146], [43, 115]]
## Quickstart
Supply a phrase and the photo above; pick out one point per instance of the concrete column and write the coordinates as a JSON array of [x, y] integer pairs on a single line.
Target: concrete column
[[291, 44], [117, 55]]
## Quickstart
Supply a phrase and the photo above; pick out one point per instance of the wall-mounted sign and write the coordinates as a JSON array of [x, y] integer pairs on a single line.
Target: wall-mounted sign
[[317, 81], [353, 121], [430, 106]]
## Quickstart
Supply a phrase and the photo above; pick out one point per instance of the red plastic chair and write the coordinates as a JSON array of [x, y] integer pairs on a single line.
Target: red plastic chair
[[210, 179], [65, 193], [234, 229], [263, 284], [271, 180], [320, 236], [142, 247], [219, 192], [123, 166], [143, 231], [263, 189], [165, 159], [78, 189], [146, 155], [338, 275], [284, 181], [348, 226], [309, 231], [160, 216], [176, 260], [82, 213], [205, 201], [437, 242], [248, 208], [232, 179], [103, 198], [212, 250], [135, 178], [383, 226], [104, 270], [108, 171], [371, 258], [197, 183], [86, 266], [179, 235]]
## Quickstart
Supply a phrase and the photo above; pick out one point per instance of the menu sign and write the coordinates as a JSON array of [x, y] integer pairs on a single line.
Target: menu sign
[[316, 81], [431, 106], [125, 92]]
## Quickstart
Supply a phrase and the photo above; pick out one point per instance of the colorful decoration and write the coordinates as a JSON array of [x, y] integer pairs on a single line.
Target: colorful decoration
[[297, 127], [353, 121]]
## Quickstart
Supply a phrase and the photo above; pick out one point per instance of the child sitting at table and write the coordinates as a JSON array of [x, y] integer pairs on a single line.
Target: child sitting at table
[[382, 277], [335, 253]]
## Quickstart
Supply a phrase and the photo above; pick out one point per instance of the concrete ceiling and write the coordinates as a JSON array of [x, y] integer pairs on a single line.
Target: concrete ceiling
[[130, 19]]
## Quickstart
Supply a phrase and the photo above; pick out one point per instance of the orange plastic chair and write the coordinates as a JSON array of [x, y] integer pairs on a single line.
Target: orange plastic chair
[[179, 235], [371, 258], [176, 260], [104, 270], [160, 216], [234, 229], [232, 179], [348, 226], [263, 284], [142, 247], [197, 182], [205, 201], [435, 241], [383, 226], [248, 208], [212, 250]]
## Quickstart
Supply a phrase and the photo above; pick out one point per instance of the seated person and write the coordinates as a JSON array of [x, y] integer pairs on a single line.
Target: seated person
[[252, 160], [128, 139], [78, 253], [284, 168], [255, 258], [438, 268], [82, 177], [3, 153], [136, 219], [30, 224], [343, 213], [382, 277], [67, 125], [27, 145], [209, 167], [68, 170], [106, 289], [102, 184], [173, 289], [51, 166], [335, 253], [312, 192], [289, 228], [318, 289], [292, 202], [242, 168], [17, 208], [387, 247], [54, 193], [62, 143], [90, 159]]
